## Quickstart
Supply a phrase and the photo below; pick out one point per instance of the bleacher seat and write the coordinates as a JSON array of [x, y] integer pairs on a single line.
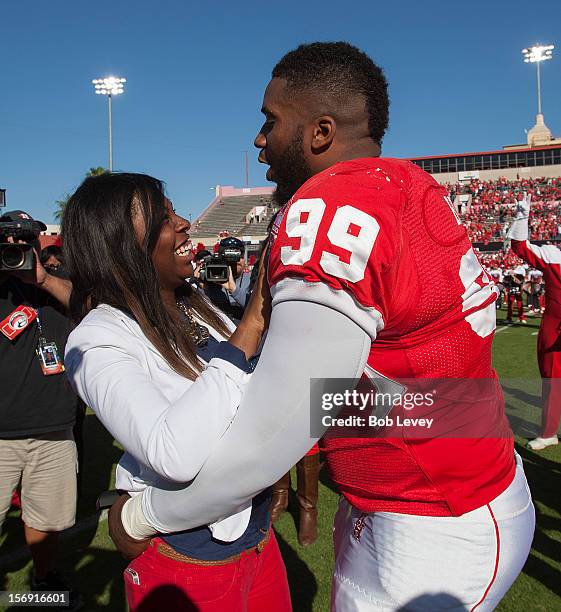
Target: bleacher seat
[[231, 216]]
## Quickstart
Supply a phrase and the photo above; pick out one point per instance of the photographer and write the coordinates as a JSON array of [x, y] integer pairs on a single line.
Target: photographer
[[37, 409], [238, 280], [214, 291], [223, 277], [52, 259], [514, 283]]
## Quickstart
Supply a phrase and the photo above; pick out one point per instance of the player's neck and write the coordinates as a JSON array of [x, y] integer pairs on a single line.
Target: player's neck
[[362, 148], [357, 150]]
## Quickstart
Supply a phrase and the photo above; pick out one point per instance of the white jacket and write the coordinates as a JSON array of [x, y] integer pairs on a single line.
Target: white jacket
[[168, 425]]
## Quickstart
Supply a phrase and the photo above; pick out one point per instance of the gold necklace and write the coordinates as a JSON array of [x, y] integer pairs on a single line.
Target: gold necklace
[[199, 333]]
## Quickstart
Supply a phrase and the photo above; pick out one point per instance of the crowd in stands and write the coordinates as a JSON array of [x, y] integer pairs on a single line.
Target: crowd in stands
[[500, 260], [488, 211], [490, 205]]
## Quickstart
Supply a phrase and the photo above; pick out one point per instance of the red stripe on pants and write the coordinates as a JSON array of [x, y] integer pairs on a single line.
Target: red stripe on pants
[[253, 583], [497, 559]]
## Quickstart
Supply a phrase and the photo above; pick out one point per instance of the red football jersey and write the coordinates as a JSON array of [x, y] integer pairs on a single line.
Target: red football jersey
[[378, 240]]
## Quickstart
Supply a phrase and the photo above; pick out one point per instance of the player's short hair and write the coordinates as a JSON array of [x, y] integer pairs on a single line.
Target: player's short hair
[[342, 70]]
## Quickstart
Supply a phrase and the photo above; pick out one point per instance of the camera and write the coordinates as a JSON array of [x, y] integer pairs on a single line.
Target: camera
[[214, 268], [18, 256]]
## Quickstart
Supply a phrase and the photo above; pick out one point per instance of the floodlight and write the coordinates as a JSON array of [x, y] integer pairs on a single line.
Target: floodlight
[[109, 86]]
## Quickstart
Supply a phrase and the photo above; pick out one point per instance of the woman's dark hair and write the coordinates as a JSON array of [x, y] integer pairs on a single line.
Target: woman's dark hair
[[108, 265], [51, 251]]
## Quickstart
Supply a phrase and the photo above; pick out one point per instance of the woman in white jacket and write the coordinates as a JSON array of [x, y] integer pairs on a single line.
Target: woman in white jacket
[[165, 373]]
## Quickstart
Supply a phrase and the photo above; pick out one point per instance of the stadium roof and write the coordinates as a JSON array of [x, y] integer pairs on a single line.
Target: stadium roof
[[522, 149]]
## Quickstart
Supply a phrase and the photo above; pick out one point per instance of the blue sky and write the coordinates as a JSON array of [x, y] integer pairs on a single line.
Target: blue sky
[[196, 72]]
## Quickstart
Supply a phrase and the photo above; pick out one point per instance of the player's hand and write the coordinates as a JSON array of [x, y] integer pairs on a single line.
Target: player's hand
[[523, 207], [127, 546]]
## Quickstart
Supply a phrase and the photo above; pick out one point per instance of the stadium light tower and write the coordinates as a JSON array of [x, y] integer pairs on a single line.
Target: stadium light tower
[[536, 55], [110, 86]]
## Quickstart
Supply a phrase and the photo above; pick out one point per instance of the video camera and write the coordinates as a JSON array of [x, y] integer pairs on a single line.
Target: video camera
[[214, 268], [21, 255]]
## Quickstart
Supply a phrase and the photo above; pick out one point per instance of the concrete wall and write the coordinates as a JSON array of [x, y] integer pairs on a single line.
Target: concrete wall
[[227, 191], [511, 174], [52, 230], [210, 241]]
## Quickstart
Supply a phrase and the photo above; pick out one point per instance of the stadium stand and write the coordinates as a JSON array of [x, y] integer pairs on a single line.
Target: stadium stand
[[484, 206], [490, 204], [501, 260], [483, 186], [241, 212]]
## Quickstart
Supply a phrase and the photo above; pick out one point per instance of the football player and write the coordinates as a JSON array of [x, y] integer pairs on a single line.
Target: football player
[[370, 269], [514, 283], [537, 290], [547, 259]]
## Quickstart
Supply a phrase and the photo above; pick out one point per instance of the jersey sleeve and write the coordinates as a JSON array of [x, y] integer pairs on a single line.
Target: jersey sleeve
[[538, 257], [337, 244]]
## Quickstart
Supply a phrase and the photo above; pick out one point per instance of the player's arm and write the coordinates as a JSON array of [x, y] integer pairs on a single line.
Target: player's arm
[[325, 262], [271, 431], [172, 438], [519, 237]]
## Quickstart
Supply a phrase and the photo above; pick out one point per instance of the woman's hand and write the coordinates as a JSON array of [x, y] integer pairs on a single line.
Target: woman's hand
[[257, 313], [258, 309]]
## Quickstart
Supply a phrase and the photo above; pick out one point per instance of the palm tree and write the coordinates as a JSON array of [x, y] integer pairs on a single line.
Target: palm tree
[[97, 171], [61, 204]]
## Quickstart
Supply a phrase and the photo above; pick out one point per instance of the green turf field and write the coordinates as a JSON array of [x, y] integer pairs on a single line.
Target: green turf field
[[88, 553]]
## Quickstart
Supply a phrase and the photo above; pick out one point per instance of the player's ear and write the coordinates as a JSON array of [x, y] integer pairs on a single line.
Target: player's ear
[[323, 133]]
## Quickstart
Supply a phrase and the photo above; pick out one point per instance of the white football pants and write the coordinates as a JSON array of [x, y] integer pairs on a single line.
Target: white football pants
[[421, 563]]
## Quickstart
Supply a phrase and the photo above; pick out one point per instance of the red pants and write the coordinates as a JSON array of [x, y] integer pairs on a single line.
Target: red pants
[[549, 361], [16, 500], [519, 307], [256, 582]]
